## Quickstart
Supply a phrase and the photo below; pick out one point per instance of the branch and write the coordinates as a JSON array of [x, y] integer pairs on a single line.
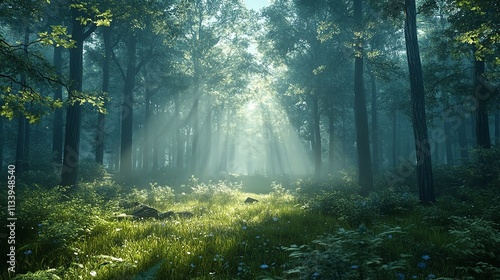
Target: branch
[[118, 64]]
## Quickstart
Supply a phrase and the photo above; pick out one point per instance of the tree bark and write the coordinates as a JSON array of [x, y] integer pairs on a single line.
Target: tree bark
[[127, 115], [331, 155], [69, 172], [497, 127], [360, 112], [422, 147], [101, 118], [482, 95], [375, 140], [178, 136], [447, 143], [57, 132], [462, 142], [316, 136]]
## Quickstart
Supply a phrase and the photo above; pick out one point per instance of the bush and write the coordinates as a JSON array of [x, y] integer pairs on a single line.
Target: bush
[[214, 192], [476, 247], [158, 196], [347, 254]]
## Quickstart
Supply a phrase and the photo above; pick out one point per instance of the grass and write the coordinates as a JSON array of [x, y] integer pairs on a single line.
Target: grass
[[283, 236]]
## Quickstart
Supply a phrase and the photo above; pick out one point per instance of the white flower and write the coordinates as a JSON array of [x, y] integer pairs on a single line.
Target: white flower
[[264, 266], [93, 273], [275, 219]]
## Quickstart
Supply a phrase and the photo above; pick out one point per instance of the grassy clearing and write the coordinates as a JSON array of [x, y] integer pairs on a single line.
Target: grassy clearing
[[319, 231]]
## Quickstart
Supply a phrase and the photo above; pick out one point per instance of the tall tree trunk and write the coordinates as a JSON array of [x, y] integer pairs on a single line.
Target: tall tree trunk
[[447, 143], [422, 147], [128, 109], [395, 143], [196, 134], [360, 112], [156, 141], [57, 132], [462, 142], [101, 118], [482, 124], [331, 155], [497, 127], [473, 125], [146, 153], [69, 172], [316, 136], [22, 123], [375, 141], [178, 131]]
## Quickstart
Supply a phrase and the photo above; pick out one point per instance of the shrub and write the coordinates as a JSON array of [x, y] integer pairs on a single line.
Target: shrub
[[158, 196], [347, 254], [476, 247], [214, 192]]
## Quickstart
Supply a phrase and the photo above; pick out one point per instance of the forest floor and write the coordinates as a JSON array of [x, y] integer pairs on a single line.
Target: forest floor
[[314, 231]]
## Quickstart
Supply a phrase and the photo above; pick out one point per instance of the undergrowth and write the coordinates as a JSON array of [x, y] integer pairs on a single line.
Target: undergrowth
[[302, 230]]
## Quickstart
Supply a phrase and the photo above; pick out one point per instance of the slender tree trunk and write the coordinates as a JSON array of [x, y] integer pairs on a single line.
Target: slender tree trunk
[[497, 127], [422, 147], [128, 109], [482, 124], [375, 140], [360, 112], [156, 141], [331, 155], [448, 144], [316, 136], [22, 123], [178, 131], [473, 122], [394, 140], [462, 142], [146, 153], [101, 118], [57, 133], [196, 134]]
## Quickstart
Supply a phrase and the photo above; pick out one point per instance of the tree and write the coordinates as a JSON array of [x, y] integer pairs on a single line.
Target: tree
[[422, 147], [84, 22], [360, 113]]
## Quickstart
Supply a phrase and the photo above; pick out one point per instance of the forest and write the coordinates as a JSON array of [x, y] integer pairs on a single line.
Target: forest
[[250, 139]]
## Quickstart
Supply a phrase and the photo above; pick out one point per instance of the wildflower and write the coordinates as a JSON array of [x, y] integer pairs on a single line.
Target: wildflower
[[426, 257], [40, 225], [400, 276], [422, 265], [93, 273], [431, 276], [389, 236], [240, 268], [244, 227], [257, 237], [354, 266], [264, 266], [414, 276], [192, 265], [315, 274], [28, 252], [275, 219]]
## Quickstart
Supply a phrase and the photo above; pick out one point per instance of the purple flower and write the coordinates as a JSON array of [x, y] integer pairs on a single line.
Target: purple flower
[[426, 257], [422, 265], [354, 266], [28, 252]]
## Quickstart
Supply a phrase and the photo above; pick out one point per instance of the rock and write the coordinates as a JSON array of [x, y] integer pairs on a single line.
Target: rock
[[145, 211], [251, 200]]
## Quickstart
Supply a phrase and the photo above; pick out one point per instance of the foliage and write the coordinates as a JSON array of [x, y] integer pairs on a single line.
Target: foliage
[[216, 192], [89, 170], [49, 274], [161, 196], [476, 247], [345, 202], [347, 254]]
